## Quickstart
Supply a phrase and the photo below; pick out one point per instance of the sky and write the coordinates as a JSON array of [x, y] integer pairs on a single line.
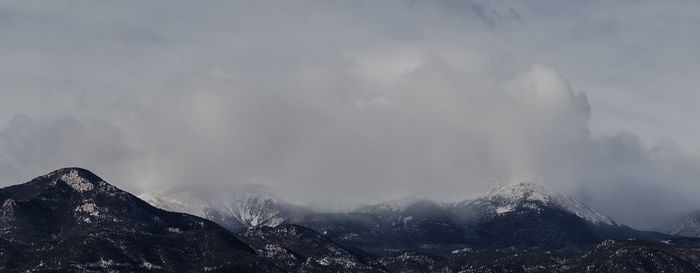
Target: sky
[[338, 103]]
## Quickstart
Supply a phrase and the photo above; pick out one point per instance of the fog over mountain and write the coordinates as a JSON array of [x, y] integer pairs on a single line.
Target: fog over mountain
[[336, 105]]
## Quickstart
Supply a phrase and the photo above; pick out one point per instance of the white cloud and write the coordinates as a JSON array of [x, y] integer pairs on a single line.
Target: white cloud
[[358, 101]]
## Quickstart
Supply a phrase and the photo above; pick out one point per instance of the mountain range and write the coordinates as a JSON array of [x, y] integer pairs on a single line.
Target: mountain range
[[70, 220], [522, 215]]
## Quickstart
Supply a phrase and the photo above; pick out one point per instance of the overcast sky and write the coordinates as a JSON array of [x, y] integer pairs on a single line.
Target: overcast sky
[[338, 103]]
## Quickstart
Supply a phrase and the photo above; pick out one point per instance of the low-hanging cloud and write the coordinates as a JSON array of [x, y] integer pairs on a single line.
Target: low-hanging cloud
[[347, 112]]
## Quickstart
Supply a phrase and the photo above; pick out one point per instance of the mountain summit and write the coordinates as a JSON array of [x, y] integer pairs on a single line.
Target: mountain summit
[[519, 196], [235, 208], [521, 215], [71, 220]]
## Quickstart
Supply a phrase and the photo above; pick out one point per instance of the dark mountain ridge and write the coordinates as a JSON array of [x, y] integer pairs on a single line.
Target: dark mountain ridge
[[71, 220], [523, 215]]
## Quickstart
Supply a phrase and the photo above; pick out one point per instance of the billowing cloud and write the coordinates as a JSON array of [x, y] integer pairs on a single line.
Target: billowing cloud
[[337, 104]]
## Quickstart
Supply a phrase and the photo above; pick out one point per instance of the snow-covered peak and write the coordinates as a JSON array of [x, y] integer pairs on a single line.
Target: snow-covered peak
[[510, 197], [520, 191], [234, 208], [81, 181]]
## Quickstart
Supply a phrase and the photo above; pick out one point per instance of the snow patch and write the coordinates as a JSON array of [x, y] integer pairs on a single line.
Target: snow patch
[[148, 265], [274, 250], [105, 263], [504, 209], [174, 230], [463, 250], [89, 208], [9, 203], [324, 261], [75, 181]]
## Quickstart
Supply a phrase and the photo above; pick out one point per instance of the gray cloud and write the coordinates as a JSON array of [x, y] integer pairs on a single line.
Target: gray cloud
[[32, 147], [336, 104]]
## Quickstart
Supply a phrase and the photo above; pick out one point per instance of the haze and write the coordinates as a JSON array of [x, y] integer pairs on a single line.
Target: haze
[[340, 103]]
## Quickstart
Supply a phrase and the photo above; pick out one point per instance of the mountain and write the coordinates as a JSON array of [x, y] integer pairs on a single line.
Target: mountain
[[530, 196], [410, 262], [234, 208], [300, 249], [635, 256], [610, 256], [526, 215], [70, 220], [422, 225], [685, 225], [522, 215]]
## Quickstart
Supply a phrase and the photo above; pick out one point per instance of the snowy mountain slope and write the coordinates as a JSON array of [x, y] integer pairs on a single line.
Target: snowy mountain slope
[[686, 225], [509, 198], [530, 215], [524, 215], [236, 208], [521, 215], [496, 201], [503, 199]]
